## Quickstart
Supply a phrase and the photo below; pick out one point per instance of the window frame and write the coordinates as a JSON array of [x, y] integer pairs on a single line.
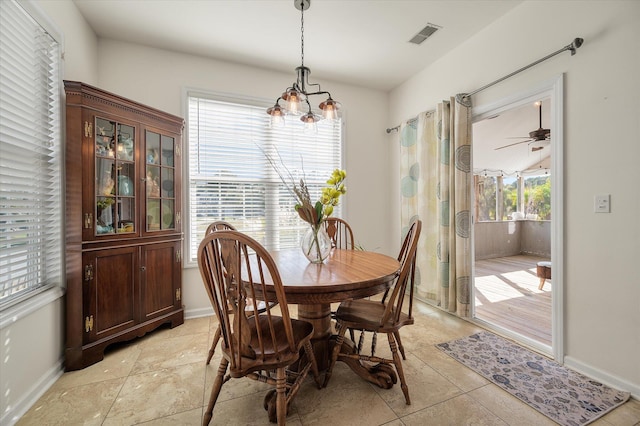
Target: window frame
[[261, 103]]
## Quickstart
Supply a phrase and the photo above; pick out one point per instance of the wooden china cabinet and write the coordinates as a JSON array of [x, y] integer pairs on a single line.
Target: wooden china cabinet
[[123, 221]]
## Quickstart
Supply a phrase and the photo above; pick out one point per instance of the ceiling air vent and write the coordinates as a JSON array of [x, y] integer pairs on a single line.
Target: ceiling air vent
[[424, 33]]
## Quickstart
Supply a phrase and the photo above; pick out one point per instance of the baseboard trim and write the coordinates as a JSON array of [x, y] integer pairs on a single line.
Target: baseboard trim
[[14, 413], [603, 376], [198, 313]]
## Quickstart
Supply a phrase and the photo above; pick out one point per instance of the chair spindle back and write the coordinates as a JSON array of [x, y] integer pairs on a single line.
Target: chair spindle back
[[219, 225], [236, 270], [406, 275], [339, 232]]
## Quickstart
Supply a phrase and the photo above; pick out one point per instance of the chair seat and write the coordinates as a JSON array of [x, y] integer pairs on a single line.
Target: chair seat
[[272, 357], [366, 314]]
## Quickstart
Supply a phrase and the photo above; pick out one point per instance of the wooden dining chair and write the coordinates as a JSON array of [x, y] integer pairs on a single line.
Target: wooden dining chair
[[235, 269], [341, 237], [384, 316], [339, 232], [221, 225]]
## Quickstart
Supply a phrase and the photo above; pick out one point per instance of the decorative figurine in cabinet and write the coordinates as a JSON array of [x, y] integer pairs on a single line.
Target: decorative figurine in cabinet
[[123, 221]]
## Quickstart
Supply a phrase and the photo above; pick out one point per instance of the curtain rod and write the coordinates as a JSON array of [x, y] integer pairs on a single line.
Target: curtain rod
[[573, 46]]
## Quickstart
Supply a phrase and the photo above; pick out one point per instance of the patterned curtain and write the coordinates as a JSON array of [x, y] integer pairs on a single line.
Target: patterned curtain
[[436, 185]]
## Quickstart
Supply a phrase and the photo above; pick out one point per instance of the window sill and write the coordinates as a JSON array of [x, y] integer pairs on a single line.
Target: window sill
[[27, 307]]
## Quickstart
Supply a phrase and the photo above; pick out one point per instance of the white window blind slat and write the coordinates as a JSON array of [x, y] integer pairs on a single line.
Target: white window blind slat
[[30, 157], [230, 178]]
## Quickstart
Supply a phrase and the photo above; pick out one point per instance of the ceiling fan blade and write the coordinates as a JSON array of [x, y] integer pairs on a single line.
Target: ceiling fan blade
[[539, 134], [512, 144]]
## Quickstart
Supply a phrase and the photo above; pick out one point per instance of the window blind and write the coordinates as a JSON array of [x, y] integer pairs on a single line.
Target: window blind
[[230, 178], [30, 157]]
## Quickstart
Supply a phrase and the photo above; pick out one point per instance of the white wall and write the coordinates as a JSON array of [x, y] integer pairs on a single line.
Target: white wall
[[602, 128]]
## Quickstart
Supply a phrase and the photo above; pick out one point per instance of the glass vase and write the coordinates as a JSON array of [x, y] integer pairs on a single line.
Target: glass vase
[[316, 244]]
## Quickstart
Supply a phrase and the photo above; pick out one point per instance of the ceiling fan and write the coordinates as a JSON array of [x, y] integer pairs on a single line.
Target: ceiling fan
[[537, 135]]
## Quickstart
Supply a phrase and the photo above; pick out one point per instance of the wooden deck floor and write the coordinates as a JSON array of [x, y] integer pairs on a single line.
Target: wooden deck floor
[[507, 295]]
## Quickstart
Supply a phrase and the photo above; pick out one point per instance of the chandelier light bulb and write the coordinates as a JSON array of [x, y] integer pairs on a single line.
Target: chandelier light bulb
[[310, 128], [293, 101], [277, 114], [310, 120], [329, 109], [277, 121]]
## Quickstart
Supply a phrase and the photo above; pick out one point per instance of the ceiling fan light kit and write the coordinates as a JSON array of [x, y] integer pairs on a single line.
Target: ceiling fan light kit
[[298, 93]]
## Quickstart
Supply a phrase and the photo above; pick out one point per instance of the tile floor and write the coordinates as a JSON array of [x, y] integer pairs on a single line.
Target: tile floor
[[161, 379]]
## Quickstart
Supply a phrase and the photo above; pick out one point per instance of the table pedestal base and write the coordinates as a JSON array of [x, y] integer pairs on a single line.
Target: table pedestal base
[[382, 375], [320, 316]]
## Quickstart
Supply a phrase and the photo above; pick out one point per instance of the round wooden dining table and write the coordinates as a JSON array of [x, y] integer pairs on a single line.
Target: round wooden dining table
[[345, 274]]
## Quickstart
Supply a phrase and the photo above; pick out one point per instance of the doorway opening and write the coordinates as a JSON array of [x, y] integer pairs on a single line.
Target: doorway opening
[[516, 207]]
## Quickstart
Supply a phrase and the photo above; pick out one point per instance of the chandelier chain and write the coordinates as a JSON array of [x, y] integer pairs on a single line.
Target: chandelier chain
[[302, 34]]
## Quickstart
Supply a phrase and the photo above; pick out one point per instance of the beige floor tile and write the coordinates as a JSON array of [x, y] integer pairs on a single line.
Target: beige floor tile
[[190, 417], [509, 408], [234, 388], [118, 363], [427, 387], [86, 405], [464, 378], [396, 422], [156, 394], [190, 326], [171, 352], [347, 400], [431, 330], [247, 410], [461, 410], [628, 414]]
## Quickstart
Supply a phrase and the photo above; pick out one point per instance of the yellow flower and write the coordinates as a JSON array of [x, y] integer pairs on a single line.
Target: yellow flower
[[331, 194]]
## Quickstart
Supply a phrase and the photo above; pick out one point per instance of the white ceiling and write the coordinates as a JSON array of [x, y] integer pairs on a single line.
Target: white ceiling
[[358, 42], [510, 127]]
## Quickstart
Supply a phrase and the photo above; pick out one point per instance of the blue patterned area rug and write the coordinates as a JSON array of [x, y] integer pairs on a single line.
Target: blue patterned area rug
[[566, 397]]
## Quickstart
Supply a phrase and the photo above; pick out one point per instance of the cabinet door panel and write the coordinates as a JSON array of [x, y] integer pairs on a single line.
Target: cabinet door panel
[[110, 302], [160, 279], [110, 178], [161, 180]]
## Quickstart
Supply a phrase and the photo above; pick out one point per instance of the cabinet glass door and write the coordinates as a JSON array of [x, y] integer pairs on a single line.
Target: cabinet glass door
[[115, 177], [160, 180]]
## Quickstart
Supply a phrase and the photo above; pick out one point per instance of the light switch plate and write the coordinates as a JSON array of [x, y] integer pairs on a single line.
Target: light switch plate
[[602, 204]]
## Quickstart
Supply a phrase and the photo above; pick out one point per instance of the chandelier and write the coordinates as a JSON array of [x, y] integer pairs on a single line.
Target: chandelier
[[297, 95]]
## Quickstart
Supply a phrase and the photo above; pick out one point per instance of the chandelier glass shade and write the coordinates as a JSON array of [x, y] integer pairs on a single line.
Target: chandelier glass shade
[[295, 99]]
